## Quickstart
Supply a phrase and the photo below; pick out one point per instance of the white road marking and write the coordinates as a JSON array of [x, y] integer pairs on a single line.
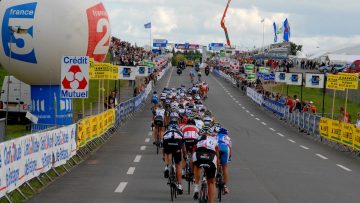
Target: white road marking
[[237, 102], [168, 82], [247, 111], [263, 123], [147, 140], [272, 129], [131, 171], [120, 188], [257, 119], [142, 148], [137, 158], [252, 115], [290, 140], [321, 156], [243, 108], [343, 167], [281, 135], [150, 133], [240, 104], [304, 147]]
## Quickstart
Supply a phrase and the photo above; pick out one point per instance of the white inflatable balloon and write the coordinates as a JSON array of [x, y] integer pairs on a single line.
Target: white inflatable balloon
[[49, 30]]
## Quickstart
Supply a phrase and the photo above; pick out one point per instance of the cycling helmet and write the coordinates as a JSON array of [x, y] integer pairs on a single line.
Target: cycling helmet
[[173, 126], [208, 113], [207, 121], [154, 92], [217, 127], [206, 130], [223, 131]]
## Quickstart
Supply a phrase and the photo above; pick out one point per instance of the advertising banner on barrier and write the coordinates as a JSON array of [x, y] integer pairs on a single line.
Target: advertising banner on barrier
[[347, 130], [75, 77], [27, 157], [294, 79], [280, 77], [349, 80], [126, 73], [315, 80], [332, 82], [264, 69], [274, 106], [251, 76], [356, 138], [142, 71], [256, 97], [335, 130], [324, 127]]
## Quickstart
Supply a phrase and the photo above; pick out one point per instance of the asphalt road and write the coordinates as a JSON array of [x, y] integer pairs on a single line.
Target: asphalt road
[[271, 162]]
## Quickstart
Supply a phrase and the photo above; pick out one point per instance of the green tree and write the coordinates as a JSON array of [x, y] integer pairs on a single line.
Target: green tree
[[295, 48]]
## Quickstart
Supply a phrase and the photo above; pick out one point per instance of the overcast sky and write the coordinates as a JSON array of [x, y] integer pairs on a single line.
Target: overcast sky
[[314, 23]]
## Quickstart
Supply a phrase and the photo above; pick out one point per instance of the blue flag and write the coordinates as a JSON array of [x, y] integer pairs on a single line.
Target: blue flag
[[147, 25], [286, 36], [275, 32]]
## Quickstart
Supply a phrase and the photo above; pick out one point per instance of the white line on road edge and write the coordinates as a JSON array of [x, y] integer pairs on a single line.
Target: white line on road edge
[[281, 135], [142, 148], [304, 147], [137, 158], [120, 188], [131, 171], [290, 140], [252, 115], [343, 167], [263, 123], [321, 156], [150, 133], [168, 82], [257, 119], [147, 140], [272, 129]]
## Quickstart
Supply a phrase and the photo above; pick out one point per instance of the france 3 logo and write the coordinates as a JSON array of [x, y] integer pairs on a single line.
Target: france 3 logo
[[19, 44]]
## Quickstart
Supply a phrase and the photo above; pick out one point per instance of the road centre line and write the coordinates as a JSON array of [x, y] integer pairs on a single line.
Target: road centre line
[[247, 111], [281, 135], [130, 171], [272, 129], [142, 148], [343, 167], [290, 140], [150, 133], [243, 108], [168, 82], [304, 147], [252, 115], [263, 123], [147, 140], [321, 156], [257, 119], [137, 158], [120, 188]]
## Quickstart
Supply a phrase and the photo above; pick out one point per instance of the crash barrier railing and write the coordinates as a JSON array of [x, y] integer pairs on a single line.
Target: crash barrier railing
[[32, 157], [2, 129], [333, 131]]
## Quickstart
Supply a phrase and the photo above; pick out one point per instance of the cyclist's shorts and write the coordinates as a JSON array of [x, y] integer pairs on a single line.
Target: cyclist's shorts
[[154, 101], [173, 146], [189, 144], [159, 121], [224, 154], [206, 158]]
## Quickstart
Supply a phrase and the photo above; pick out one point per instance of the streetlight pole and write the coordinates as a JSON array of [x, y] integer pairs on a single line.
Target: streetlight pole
[[263, 37]]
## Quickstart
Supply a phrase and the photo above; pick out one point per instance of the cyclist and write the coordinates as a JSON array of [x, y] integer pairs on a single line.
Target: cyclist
[[199, 76], [206, 152], [173, 146], [192, 76], [191, 135], [204, 89], [158, 122], [224, 142], [155, 99]]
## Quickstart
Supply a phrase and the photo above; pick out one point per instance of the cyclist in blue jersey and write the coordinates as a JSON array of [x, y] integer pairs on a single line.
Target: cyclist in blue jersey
[[224, 143], [155, 99]]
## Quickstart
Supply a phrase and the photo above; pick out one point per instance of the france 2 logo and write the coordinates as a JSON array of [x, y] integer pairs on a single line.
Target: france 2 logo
[[99, 32], [74, 79], [20, 16]]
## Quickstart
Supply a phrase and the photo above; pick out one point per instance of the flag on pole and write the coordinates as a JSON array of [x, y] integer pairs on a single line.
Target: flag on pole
[[286, 35], [147, 25], [275, 32]]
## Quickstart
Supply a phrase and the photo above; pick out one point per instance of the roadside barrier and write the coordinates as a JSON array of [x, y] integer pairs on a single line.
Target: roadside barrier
[[35, 155], [342, 135]]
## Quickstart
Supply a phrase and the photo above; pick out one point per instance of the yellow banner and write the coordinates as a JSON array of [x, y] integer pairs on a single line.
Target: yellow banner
[[347, 131], [349, 80], [84, 132], [335, 130], [324, 127], [94, 127], [356, 138], [333, 83]]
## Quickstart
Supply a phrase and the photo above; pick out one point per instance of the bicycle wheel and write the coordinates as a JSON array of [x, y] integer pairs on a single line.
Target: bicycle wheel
[[171, 184], [158, 140], [220, 187], [188, 175], [203, 193]]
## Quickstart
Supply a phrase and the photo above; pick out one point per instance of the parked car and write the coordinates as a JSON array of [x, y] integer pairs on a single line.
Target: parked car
[[354, 67], [339, 68], [325, 69]]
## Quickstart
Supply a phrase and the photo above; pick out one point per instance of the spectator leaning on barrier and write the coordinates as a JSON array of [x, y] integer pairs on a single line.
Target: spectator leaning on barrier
[[313, 108], [357, 124], [344, 116], [298, 105], [112, 101]]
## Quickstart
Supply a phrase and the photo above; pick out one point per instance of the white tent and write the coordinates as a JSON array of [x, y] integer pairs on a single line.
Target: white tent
[[341, 58]]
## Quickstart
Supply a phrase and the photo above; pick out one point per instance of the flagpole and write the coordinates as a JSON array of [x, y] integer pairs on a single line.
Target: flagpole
[[150, 40]]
